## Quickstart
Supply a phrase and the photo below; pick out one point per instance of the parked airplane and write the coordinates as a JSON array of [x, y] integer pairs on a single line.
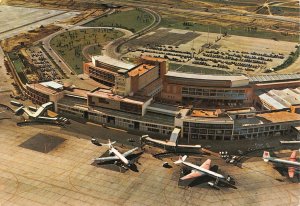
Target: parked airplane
[[117, 155], [205, 170], [291, 164]]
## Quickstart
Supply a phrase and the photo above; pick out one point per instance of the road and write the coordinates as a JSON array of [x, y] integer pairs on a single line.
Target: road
[[5, 80], [113, 48]]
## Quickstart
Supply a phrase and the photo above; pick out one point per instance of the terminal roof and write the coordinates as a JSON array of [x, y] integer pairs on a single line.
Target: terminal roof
[[43, 89], [52, 84], [281, 116], [114, 62], [107, 94], [140, 70], [206, 77], [275, 77]]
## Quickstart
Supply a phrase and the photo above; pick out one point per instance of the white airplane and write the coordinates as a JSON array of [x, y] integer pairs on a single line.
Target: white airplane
[[291, 164], [204, 170], [117, 155]]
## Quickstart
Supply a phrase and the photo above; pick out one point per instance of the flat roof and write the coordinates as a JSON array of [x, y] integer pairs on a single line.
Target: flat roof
[[43, 89], [78, 92], [107, 94], [204, 113], [274, 77], [281, 116], [206, 77], [52, 84], [114, 62], [140, 70], [271, 101]]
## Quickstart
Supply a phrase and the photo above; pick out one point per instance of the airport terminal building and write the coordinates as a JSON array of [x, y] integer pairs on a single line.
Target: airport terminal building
[[146, 97]]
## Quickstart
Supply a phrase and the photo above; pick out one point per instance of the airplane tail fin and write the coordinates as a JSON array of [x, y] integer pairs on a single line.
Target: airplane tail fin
[[293, 156], [109, 144], [291, 171], [266, 156], [181, 159]]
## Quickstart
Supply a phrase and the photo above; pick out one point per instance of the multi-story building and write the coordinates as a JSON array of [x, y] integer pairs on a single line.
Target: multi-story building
[[41, 93], [106, 99], [191, 89], [127, 79], [149, 98]]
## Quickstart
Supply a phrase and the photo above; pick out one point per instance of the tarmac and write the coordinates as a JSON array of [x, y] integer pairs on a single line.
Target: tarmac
[[15, 20], [66, 174]]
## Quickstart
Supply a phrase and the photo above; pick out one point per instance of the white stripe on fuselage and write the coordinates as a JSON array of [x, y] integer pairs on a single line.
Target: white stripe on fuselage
[[285, 162], [208, 172], [119, 155]]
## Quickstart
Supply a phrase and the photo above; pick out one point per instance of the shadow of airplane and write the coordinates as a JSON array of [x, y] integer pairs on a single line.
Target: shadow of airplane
[[133, 158]]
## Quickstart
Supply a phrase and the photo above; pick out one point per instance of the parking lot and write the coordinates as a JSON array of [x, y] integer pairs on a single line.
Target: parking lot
[[44, 67], [232, 54]]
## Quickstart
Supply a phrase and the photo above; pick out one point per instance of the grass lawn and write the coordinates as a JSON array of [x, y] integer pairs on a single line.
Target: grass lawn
[[195, 69], [19, 66], [94, 50], [239, 31], [69, 45], [133, 20]]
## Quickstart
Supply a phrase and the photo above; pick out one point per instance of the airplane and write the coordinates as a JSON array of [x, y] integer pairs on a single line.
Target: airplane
[[291, 164], [117, 155], [205, 170]]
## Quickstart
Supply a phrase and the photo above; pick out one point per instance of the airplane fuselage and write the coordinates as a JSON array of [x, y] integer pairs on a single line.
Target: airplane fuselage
[[283, 162], [208, 172], [119, 155]]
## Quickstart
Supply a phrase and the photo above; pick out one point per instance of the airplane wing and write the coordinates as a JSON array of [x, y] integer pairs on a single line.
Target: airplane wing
[[195, 173], [192, 175], [106, 159], [125, 154]]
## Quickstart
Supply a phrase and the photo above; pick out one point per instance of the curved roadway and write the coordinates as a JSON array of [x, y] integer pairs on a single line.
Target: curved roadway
[[111, 49]]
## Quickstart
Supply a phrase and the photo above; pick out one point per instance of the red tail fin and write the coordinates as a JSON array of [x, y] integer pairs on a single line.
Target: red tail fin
[[291, 171], [293, 156]]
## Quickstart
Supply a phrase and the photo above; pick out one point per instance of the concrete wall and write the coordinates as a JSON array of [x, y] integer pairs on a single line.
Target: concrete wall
[[148, 77]]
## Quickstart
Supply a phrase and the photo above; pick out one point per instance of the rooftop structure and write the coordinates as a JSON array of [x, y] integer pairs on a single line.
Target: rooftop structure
[[281, 116], [53, 85], [280, 99], [270, 102], [140, 70], [112, 63], [205, 113], [273, 78], [43, 88], [107, 94], [210, 80]]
